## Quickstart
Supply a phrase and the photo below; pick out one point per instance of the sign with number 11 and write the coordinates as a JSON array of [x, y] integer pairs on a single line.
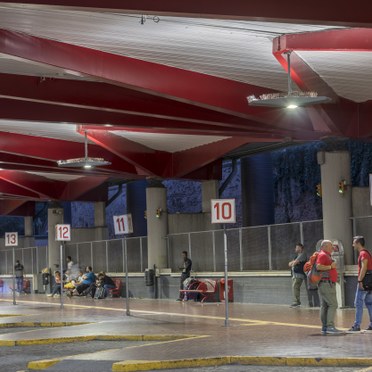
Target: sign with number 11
[[123, 224]]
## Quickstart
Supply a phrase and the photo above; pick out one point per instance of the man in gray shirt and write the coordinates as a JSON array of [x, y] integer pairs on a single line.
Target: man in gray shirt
[[298, 275]]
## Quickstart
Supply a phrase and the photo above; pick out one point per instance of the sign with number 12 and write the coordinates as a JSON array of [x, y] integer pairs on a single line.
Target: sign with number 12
[[63, 232], [123, 224]]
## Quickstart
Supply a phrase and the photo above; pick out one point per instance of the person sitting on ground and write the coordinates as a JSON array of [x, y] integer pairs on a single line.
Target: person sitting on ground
[[72, 284], [106, 282], [87, 280], [56, 291]]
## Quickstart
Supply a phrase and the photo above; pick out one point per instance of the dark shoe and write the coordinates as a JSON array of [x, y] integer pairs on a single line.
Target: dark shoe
[[354, 328], [369, 328], [324, 331], [179, 299], [334, 331], [295, 305]]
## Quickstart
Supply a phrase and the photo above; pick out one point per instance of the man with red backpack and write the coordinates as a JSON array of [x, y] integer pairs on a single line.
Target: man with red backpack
[[362, 296], [327, 288]]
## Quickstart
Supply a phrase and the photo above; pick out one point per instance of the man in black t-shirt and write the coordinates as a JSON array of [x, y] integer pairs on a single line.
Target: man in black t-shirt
[[186, 269], [298, 275]]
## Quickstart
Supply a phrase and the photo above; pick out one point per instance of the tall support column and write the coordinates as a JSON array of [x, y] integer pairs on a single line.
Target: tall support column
[[55, 217], [335, 167], [209, 191], [100, 226], [157, 225], [29, 240]]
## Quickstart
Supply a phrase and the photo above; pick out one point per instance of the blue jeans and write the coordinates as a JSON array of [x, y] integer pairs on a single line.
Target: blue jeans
[[107, 288], [361, 298], [19, 283]]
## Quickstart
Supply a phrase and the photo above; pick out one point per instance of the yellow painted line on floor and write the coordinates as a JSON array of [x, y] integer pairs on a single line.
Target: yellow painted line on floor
[[167, 342], [149, 365], [59, 340], [193, 316]]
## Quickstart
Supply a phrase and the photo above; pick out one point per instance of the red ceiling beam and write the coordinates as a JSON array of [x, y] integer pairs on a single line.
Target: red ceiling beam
[[150, 161], [106, 97], [188, 161], [10, 188], [17, 208], [314, 12], [181, 85], [41, 186], [79, 188]]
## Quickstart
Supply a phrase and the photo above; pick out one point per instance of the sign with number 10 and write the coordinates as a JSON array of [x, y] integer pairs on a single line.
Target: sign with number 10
[[63, 232], [11, 239], [123, 224], [223, 211]]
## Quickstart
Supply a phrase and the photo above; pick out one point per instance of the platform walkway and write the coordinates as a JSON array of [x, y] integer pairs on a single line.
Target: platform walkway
[[186, 334]]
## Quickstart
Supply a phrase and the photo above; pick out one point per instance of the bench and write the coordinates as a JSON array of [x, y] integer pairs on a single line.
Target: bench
[[206, 288], [116, 292]]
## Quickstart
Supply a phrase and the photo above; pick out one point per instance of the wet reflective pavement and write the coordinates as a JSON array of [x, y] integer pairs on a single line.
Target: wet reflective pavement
[[170, 330]]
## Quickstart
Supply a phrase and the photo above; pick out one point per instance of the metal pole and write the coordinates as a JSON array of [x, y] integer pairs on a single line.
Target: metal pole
[[14, 281], [214, 251], [226, 278], [301, 233], [269, 247], [61, 267], [124, 241]]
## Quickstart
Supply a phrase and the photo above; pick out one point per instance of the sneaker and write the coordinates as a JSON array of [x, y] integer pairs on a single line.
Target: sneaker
[[334, 331], [324, 331], [179, 299], [369, 328], [49, 295], [57, 295], [295, 305], [354, 328]]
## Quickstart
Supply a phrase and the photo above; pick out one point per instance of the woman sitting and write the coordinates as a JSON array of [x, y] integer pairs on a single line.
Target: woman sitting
[[56, 291]]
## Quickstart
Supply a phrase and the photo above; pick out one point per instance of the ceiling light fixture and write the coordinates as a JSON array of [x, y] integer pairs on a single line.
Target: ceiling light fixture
[[86, 162], [291, 100]]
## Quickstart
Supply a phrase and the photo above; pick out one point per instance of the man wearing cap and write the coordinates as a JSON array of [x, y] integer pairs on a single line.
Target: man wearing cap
[[327, 288], [362, 296]]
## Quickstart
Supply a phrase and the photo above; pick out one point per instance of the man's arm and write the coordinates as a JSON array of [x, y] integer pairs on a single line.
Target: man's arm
[[321, 267], [362, 273]]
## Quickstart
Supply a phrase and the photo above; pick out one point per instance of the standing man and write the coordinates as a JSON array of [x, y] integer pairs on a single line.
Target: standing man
[[18, 268], [327, 288], [298, 275], [186, 269], [361, 296]]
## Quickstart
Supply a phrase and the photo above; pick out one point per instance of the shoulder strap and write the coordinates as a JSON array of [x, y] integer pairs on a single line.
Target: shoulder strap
[[369, 254]]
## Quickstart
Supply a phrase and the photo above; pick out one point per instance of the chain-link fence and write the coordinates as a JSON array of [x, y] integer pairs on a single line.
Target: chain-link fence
[[249, 248]]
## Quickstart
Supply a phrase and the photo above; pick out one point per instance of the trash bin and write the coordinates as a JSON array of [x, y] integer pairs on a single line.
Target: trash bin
[[149, 277], [230, 289], [45, 278]]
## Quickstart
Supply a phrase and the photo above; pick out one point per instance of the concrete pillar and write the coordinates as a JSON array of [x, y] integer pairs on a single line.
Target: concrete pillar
[[335, 167], [209, 191], [157, 227], [29, 231], [99, 214], [29, 239], [55, 216]]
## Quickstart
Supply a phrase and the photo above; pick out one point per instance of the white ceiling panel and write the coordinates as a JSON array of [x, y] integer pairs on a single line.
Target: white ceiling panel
[[56, 176], [235, 50], [168, 142]]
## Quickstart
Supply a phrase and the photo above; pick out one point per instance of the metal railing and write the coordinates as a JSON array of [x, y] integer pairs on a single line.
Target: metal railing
[[249, 248]]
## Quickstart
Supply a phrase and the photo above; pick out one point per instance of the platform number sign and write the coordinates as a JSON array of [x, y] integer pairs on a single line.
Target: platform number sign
[[123, 224], [11, 239], [223, 211], [63, 232]]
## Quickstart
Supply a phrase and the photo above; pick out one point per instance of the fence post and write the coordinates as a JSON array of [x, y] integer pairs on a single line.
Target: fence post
[[141, 254], [91, 254], [301, 233], [107, 260], [77, 253], [32, 261], [269, 247], [353, 219], [241, 248], [214, 250], [189, 237]]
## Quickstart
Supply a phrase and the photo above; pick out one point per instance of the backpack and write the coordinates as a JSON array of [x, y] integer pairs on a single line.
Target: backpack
[[310, 270]]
